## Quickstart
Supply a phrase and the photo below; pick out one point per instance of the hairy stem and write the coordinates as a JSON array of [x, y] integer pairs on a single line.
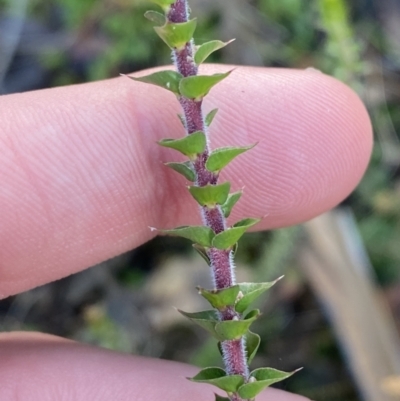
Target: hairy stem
[[222, 265]]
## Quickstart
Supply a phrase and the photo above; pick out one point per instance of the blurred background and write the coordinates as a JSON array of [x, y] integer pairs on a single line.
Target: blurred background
[[337, 312]]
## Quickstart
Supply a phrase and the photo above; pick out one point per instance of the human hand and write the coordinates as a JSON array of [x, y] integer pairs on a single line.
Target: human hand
[[82, 180]]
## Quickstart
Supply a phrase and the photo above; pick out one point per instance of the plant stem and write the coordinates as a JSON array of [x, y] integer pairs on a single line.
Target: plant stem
[[221, 261]]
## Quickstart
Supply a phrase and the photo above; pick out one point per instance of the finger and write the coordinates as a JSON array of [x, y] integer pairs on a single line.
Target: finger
[[82, 178], [40, 367]]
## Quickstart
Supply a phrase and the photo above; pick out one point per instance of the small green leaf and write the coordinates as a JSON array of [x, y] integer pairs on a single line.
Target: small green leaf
[[155, 17], [196, 87], [165, 79], [252, 344], [246, 222], [199, 234], [164, 4], [263, 377], [211, 195], [205, 319], [235, 329], [210, 117], [185, 169], [209, 374], [220, 299], [176, 35], [250, 292], [202, 252], [230, 202], [190, 145], [229, 237], [218, 378], [219, 158], [206, 49], [219, 398]]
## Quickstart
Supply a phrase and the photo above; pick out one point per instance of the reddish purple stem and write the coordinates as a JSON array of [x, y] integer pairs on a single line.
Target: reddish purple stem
[[221, 260]]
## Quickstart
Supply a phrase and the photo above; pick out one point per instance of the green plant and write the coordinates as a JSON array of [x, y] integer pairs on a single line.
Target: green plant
[[228, 322]]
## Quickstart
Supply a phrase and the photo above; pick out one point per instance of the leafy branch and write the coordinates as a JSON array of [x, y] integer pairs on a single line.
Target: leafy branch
[[228, 322]]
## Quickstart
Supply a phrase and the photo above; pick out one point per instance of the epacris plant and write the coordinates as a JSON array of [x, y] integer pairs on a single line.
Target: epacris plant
[[229, 322]]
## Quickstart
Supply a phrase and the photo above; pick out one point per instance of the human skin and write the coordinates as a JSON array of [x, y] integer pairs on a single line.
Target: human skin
[[82, 180]]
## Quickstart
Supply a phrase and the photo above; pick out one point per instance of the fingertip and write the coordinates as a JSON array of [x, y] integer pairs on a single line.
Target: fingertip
[[83, 178]]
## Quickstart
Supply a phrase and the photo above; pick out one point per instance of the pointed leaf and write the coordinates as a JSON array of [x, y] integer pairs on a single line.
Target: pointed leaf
[[220, 299], [185, 169], [196, 87], [165, 79], [263, 377], [209, 374], [229, 237], [250, 292], [218, 378], [156, 17], [211, 195], [206, 49], [210, 117], [176, 35], [201, 235], [252, 344], [165, 4], [202, 252], [190, 145], [246, 222], [219, 158], [235, 329], [205, 319], [230, 202]]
